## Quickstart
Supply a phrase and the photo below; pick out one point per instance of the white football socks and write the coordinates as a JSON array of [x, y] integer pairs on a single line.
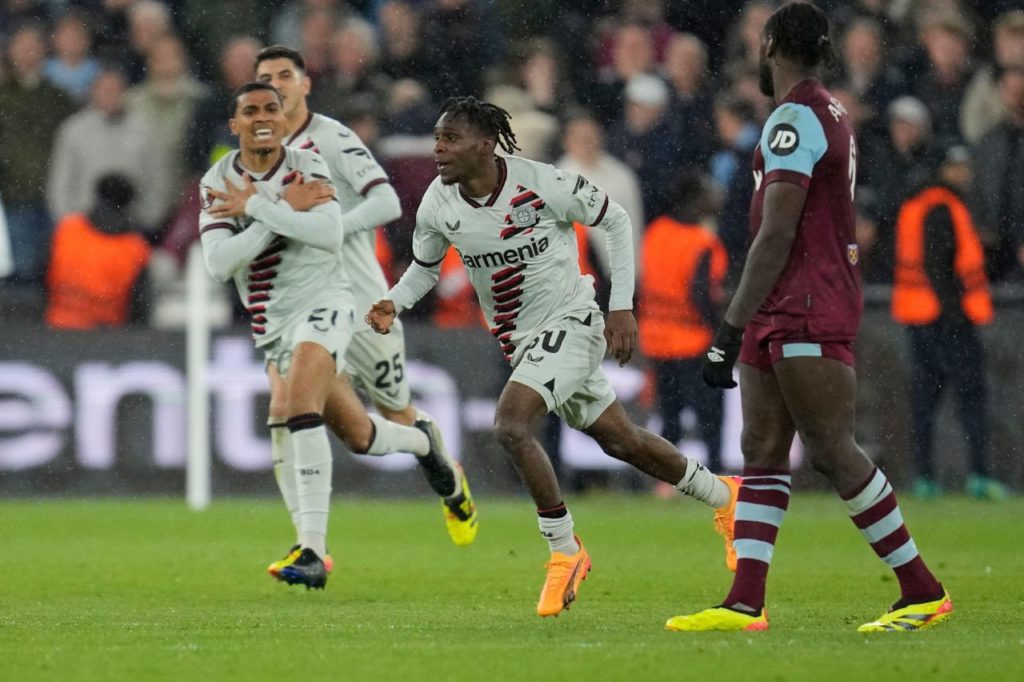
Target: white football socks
[[699, 483], [391, 437], [559, 533], [283, 456], [313, 467]]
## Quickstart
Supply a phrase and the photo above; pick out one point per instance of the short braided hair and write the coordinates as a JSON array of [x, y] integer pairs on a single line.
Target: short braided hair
[[491, 120], [801, 32]]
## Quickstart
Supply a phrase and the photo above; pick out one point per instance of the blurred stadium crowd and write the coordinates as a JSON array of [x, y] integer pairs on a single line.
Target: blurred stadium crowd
[[629, 92]]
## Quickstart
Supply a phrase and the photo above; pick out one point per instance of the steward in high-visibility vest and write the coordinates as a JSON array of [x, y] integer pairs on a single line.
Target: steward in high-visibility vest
[[935, 224], [941, 293], [682, 267], [96, 263]]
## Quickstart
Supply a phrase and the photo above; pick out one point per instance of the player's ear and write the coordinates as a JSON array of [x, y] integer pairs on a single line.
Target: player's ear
[[307, 84], [769, 46], [233, 126]]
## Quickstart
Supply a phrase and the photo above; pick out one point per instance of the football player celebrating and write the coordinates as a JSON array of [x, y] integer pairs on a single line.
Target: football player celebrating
[[511, 221]]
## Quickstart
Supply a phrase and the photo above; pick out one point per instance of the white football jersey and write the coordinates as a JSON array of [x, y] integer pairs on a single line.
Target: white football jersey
[[518, 245], [354, 171], [286, 274]]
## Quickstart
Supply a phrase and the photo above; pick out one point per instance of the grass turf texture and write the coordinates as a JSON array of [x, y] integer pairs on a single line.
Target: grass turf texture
[[147, 590]]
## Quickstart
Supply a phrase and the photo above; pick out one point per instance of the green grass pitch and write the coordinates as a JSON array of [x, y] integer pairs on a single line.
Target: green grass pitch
[[147, 590]]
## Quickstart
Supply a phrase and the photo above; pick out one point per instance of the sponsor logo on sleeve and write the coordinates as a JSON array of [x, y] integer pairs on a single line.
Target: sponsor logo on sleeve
[[783, 139]]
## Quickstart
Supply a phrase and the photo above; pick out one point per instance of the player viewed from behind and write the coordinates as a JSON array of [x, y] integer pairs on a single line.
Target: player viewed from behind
[[791, 325], [511, 221], [280, 238], [375, 363]]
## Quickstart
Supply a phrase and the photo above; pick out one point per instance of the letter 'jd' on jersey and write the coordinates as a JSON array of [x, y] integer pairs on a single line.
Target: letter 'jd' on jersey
[[354, 171], [518, 244], [286, 274], [808, 141]]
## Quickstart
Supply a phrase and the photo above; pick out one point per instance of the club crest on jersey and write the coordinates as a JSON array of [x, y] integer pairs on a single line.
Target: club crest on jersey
[[524, 216], [853, 253], [783, 139]]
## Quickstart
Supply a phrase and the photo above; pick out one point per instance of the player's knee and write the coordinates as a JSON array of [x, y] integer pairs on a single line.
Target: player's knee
[[511, 433]]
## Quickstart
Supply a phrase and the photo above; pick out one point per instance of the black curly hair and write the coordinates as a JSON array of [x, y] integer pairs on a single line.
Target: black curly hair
[[800, 31], [491, 120]]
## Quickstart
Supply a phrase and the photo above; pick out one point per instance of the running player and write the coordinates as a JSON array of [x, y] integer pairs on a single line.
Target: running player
[[374, 363], [791, 325], [511, 221], [280, 238]]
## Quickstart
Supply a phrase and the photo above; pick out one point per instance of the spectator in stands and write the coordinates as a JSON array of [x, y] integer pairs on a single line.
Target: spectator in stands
[[209, 137], [584, 143], [286, 26], [632, 55], [167, 99], [32, 109], [402, 55], [213, 25], [148, 22], [538, 72], [354, 79], [536, 131], [738, 134], [998, 189], [453, 40], [97, 260], [685, 69], [101, 139], [316, 38], [683, 266], [743, 46], [894, 162], [947, 40], [982, 107], [940, 292], [72, 67], [865, 68], [647, 140]]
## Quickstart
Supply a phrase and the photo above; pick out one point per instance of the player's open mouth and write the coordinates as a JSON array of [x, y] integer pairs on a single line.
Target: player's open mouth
[[263, 134], [441, 165]]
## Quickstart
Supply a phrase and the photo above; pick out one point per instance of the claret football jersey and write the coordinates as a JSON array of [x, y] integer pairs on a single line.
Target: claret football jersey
[[808, 141]]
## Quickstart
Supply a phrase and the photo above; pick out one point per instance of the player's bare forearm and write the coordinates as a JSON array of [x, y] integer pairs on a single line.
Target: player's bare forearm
[[769, 252]]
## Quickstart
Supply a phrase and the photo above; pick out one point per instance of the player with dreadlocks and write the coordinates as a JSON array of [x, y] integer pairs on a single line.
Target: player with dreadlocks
[[791, 327], [511, 222]]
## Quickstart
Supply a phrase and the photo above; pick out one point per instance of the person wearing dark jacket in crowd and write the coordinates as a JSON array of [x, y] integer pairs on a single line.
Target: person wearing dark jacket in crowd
[[97, 263], [997, 191], [941, 293]]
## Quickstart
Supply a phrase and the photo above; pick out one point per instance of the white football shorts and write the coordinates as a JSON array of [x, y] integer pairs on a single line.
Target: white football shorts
[[563, 364], [328, 322], [376, 363]]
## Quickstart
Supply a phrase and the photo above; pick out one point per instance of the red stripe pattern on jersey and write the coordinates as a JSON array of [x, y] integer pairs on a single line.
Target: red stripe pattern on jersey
[[262, 271], [506, 292]]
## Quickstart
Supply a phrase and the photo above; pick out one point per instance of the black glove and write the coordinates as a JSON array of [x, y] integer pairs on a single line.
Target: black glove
[[722, 356]]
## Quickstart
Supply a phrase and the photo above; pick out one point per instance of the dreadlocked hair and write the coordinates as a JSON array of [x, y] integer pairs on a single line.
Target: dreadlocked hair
[[801, 32], [491, 120]]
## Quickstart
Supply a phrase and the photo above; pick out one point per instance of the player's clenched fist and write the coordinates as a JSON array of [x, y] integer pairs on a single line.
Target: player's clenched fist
[[722, 356], [381, 315]]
